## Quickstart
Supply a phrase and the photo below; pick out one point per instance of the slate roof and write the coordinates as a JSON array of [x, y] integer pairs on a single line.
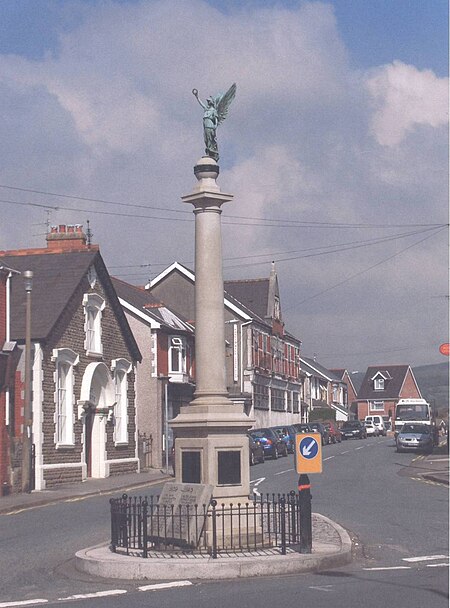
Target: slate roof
[[56, 277], [254, 293], [312, 367], [145, 301], [392, 387]]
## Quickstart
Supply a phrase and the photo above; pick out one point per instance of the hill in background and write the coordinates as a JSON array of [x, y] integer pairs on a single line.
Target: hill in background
[[433, 381]]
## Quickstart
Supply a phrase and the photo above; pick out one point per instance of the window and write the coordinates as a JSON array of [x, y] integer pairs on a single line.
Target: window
[[377, 406], [177, 355], [93, 306], [378, 384], [296, 401], [261, 397], [120, 369], [65, 360], [278, 400]]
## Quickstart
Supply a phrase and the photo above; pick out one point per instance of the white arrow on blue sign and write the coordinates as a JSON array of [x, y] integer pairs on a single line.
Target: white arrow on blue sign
[[309, 447]]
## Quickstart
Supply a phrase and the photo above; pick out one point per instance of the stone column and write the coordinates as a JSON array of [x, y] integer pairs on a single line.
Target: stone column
[[211, 443]]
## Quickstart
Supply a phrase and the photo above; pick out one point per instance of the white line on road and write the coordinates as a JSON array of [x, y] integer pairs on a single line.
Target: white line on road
[[164, 585], [281, 472], [361, 447], [437, 565], [328, 458], [390, 568], [346, 452], [424, 558], [23, 603], [323, 588], [84, 596]]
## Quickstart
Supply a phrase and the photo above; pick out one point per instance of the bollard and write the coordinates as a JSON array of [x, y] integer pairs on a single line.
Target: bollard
[[304, 495]]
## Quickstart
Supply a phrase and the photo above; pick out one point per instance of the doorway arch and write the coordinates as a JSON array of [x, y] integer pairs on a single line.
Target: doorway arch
[[97, 399]]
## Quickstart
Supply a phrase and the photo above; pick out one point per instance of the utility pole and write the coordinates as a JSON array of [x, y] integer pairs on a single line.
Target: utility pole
[[27, 427]]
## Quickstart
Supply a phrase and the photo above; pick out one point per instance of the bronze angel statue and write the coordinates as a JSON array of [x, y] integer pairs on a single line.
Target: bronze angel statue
[[216, 109]]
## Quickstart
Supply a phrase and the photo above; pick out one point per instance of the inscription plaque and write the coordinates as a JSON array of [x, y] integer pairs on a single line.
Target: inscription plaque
[[179, 517]]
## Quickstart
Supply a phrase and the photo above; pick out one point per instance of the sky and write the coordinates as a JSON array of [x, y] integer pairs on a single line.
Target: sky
[[335, 149]]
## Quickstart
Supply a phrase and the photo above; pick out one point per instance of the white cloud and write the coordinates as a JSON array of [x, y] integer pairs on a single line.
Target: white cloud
[[110, 115], [406, 97]]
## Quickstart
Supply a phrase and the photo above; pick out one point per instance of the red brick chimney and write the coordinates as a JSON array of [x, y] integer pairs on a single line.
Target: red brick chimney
[[66, 237]]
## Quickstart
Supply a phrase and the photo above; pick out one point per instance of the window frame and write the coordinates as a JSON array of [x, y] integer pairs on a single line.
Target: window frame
[[120, 369], [93, 304], [64, 415]]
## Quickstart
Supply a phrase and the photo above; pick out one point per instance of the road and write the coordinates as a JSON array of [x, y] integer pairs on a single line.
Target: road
[[400, 526]]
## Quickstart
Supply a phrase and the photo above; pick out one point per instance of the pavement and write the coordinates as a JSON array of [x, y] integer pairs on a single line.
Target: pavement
[[332, 545]]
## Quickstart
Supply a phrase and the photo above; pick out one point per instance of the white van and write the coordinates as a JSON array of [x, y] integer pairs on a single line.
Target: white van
[[378, 423]]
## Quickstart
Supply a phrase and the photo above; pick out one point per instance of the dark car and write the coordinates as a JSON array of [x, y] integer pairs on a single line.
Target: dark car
[[302, 427], [333, 432], [353, 429], [417, 437], [256, 451], [287, 434], [271, 443], [319, 427]]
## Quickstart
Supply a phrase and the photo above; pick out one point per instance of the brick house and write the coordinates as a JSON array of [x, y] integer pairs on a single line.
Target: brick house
[[382, 387], [167, 369], [84, 359], [262, 359]]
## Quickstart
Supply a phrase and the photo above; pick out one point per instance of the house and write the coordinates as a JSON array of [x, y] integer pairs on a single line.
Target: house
[[328, 391], [382, 387], [262, 359], [84, 359], [350, 392], [165, 376]]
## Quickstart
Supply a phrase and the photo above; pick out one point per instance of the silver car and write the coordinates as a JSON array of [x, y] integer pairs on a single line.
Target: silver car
[[415, 437]]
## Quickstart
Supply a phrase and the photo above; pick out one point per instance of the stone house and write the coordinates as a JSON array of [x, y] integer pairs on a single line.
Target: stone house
[[165, 376], [84, 359]]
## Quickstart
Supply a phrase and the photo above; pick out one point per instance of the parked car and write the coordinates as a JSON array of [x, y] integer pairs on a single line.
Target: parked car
[[256, 451], [371, 429], [286, 434], [333, 432], [318, 427], [302, 427], [378, 423], [353, 429], [273, 446], [417, 437]]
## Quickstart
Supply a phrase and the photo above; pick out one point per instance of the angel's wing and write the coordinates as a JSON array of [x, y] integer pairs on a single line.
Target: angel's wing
[[223, 101]]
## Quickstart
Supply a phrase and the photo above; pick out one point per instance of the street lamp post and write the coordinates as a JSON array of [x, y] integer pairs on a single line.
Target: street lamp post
[[27, 435]]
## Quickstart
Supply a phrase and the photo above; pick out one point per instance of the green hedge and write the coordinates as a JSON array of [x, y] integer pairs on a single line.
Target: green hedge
[[321, 414]]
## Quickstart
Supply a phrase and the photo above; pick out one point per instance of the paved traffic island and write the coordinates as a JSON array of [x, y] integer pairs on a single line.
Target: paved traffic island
[[332, 547]]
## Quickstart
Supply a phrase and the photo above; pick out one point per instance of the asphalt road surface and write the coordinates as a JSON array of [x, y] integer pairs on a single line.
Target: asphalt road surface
[[399, 526]]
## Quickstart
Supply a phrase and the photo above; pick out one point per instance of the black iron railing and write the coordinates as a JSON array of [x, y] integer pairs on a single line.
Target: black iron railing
[[142, 526]]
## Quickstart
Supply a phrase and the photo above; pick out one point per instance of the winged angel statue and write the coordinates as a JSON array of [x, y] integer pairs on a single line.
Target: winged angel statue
[[216, 110]]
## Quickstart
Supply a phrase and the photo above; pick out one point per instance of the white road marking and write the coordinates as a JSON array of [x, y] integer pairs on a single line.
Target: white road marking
[[346, 452], [256, 483], [390, 568], [424, 558], [328, 458], [23, 603], [84, 596], [322, 588], [164, 585], [437, 565], [361, 447], [281, 472]]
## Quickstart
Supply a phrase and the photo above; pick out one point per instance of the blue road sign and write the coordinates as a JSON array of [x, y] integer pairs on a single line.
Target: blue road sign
[[309, 448]]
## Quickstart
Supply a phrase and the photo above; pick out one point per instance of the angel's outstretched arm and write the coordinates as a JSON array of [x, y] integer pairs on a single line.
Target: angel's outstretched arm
[[195, 93]]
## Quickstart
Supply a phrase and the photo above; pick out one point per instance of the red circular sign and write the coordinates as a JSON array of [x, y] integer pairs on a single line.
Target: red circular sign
[[444, 349]]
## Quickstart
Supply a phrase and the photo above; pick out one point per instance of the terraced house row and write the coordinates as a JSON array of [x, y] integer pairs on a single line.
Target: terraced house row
[[113, 363]]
